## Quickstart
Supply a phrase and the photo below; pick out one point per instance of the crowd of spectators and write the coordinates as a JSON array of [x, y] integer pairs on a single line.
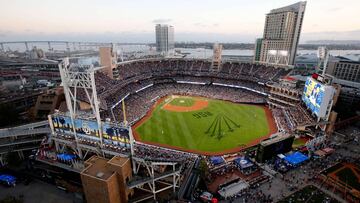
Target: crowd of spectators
[[250, 195], [288, 118], [280, 119], [228, 70], [153, 153], [131, 76]]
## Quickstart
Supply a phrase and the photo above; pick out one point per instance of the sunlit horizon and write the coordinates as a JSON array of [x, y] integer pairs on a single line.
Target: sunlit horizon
[[198, 21]]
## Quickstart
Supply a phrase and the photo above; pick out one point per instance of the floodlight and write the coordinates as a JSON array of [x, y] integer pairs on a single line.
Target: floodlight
[[283, 53], [273, 52]]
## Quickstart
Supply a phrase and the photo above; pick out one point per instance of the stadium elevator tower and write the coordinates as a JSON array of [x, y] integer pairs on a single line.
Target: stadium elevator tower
[[77, 80]]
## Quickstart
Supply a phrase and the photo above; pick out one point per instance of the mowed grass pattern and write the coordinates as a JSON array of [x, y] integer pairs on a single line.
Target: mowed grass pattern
[[185, 130]]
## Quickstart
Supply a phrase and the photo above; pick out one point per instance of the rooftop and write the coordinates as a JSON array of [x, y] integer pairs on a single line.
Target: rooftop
[[99, 167], [291, 8]]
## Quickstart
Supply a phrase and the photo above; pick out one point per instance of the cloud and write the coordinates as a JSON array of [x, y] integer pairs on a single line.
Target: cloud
[[162, 20]]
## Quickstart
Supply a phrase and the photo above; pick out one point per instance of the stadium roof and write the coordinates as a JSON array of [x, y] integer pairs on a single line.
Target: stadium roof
[[296, 158], [216, 160], [243, 162]]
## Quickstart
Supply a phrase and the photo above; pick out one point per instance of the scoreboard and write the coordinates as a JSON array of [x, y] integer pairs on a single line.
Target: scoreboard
[[273, 146], [317, 97]]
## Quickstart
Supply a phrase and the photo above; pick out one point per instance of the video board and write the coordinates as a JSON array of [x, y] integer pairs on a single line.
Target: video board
[[63, 124], [113, 133], [89, 129], [317, 96], [266, 151]]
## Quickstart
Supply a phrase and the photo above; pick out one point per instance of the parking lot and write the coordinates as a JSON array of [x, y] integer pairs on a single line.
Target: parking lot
[[37, 192]]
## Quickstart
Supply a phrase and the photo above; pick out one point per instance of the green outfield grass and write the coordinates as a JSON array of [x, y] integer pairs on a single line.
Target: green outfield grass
[[220, 126]]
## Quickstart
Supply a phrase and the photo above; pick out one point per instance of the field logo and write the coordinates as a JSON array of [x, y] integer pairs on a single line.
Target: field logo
[[202, 114], [220, 125]]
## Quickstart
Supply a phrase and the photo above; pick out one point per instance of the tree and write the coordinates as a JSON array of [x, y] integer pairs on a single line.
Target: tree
[[204, 169]]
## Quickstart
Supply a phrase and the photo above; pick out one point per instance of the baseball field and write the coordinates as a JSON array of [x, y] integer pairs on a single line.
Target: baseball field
[[203, 125]]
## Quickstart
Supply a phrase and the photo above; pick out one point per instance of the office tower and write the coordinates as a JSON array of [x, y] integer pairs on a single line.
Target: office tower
[[344, 69], [257, 53], [108, 59], [164, 39], [217, 54], [281, 35]]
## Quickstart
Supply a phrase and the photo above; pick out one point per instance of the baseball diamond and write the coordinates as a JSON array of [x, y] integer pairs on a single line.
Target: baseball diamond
[[203, 125]]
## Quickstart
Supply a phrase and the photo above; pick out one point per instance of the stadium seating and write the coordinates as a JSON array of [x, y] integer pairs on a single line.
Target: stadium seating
[[160, 77]]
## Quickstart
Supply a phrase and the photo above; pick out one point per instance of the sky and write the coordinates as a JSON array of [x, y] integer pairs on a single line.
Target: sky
[[193, 20]]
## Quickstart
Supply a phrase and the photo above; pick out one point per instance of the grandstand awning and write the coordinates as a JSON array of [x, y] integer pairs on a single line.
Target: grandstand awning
[[243, 162], [296, 158], [216, 160]]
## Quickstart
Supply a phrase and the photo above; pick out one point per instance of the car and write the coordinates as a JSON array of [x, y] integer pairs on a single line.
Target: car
[[206, 196]]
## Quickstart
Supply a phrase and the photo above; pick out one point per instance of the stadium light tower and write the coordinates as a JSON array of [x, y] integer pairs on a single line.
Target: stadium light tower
[[80, 79], [323, 54]]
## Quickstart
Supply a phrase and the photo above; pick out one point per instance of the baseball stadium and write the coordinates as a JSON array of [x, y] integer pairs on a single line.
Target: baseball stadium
[[192, 105], [151, 122], [188, 106], [169, 115]]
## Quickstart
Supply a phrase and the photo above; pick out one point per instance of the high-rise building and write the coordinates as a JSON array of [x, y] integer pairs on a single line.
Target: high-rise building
[[346, 73], [164, 39], [108, 59], [217, 54], [257, 53], [344, 69], [281, 35]]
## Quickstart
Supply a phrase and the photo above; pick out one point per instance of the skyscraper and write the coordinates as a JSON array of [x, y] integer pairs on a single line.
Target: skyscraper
[[281, 35], [108, 59], [164, 39]]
